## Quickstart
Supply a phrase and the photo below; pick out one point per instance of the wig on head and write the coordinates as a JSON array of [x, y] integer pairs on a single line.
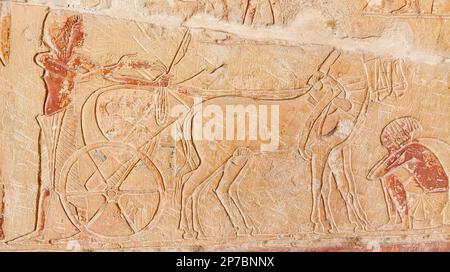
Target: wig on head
[[400, 131], [65, 38]]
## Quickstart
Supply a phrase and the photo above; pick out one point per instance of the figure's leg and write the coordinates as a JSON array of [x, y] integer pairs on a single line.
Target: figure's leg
[[249, 12], [37, 234], [317, 166], [397, 193], [275, 10], [414, 6], [389, 202], [2, 194], [326, 195], [219, 8]]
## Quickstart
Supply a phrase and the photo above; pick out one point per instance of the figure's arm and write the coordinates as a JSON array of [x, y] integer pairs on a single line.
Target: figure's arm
[[163, 81], [108, 71], [385, 166], [80, 61]]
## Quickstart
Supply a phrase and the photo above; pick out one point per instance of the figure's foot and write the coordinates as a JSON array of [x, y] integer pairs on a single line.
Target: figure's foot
[[392, 225], [190, 235], [240, 232], [35, 237], [78, 237]]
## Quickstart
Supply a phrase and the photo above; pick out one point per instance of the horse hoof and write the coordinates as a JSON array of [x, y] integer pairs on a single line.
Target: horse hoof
[[199, 235], [242, 232], [319, 228], [190, 235], [333, 230]]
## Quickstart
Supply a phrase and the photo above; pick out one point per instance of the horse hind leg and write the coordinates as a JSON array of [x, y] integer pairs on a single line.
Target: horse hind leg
[[233, 191], [232, 169], [198, 192], [317, 167], [187, 202], [222, 192], [344, 191], [335, 162], [359, 211], [346, 186]]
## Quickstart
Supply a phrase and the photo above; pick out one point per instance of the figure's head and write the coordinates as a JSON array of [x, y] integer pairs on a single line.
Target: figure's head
[[399, 132], [69, 36]]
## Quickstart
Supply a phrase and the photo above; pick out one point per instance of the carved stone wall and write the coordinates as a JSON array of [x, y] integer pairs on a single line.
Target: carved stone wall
[[225, 125]]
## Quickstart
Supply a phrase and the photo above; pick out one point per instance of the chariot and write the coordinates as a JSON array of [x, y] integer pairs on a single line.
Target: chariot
[[110, 187]]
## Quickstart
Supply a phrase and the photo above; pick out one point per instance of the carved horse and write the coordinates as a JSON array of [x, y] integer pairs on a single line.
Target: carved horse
[[230, 164]]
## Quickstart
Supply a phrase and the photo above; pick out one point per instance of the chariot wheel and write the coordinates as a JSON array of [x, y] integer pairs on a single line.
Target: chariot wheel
[[111, 190]]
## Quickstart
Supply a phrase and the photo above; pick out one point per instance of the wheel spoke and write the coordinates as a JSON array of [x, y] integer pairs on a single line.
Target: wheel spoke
[[97, 168], [97, 214], [117, 178], [83, 194], [138, 192], [127, 219]]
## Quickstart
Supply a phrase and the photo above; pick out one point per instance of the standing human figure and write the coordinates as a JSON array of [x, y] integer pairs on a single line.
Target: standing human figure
[[63, 69]]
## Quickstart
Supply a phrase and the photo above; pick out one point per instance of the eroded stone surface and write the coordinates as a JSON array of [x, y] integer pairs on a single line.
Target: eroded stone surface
[[225, 125]]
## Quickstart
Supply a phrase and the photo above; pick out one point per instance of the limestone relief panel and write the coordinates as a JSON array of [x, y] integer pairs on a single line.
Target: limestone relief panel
[[224, 125]]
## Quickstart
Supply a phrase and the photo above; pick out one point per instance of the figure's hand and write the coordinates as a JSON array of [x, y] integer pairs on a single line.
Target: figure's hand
[[376, 172], [123, 61], [164, 80]]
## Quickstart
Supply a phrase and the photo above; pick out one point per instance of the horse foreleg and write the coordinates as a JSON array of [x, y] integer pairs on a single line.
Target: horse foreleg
[[234, 187], [185, 217], [326, 195], [317, 166], [346, 166]]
